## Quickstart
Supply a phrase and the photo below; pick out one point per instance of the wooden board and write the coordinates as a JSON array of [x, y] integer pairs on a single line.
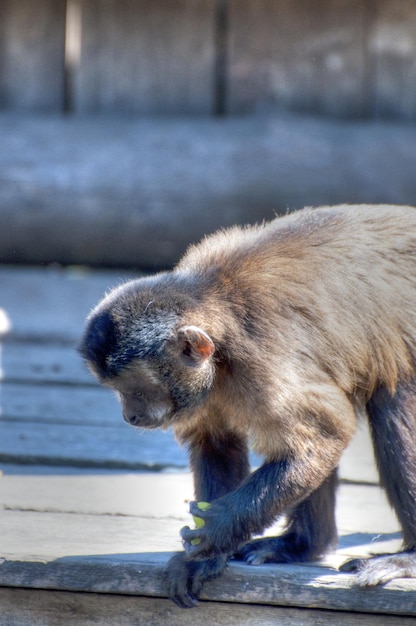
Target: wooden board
[[55, 424], [84, 199], [340, 58], [50, 304], [44, 363], [145, 495], [292, 55], [146, 57], [118, 446], [60, 404], [32, 55], [392, 47], [154, 496], [113, 534], [88, 446], [36, 608]]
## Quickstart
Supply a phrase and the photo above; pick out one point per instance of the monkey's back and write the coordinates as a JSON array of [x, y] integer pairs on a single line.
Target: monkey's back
[[337, 283]]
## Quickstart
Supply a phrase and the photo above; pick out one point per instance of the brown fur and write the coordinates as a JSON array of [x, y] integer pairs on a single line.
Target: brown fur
[[333, 293], [279, 333]]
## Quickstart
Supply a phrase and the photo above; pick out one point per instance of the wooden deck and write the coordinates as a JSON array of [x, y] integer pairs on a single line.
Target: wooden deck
[[90, 509]]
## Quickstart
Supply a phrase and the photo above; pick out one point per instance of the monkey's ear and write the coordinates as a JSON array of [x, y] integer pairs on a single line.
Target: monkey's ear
[[195, 345]]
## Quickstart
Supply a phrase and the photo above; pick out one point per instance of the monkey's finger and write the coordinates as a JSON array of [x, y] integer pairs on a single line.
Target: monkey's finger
[[184, 601], [188, 534], [192, 539], [196, 510]]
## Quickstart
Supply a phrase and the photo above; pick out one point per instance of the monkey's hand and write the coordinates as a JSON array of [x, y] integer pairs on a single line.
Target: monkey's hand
[[217, 536], [184, 578], [207, 549]]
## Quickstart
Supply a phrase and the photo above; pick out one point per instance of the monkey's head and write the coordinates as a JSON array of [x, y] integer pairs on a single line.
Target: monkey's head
[[141, 342]]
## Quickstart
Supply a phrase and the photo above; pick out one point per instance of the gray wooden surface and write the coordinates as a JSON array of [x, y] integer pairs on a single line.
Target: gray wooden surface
[[392, 54], [57, 609], [136, 192], [76, 518], [141, 57], [341, 57], [32, 55], [114, 533], [308, 56], [337, 58]]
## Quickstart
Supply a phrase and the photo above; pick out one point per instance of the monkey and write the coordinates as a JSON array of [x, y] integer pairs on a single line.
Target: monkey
[[275, 336]]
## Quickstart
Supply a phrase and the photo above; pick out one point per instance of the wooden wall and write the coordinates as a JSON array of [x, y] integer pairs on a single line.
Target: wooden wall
[[146, 56], [337, 57], [32, 54]]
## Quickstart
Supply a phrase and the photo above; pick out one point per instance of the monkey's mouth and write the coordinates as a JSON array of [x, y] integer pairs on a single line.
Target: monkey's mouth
[[151, 421], [145, 423]]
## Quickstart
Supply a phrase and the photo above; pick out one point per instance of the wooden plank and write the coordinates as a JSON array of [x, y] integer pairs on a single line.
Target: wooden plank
[[22, 607], [92, 406], [166, 496], [145, 495], [44, 363], [64, 425], [113, 534], [150, 497], [393, 48], [292, 55], [81, 540], [357, 462], [282, 585], [88, 446], [70, 504], [32, 55], [51, 303], [196, 176], [146, 57]]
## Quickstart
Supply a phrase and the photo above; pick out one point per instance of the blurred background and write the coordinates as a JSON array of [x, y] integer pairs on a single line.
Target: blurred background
[[130, 128]]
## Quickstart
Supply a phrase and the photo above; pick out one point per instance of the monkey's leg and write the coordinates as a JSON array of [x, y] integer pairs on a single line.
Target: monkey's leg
[[219, 465], [393, 429], [310, 533]]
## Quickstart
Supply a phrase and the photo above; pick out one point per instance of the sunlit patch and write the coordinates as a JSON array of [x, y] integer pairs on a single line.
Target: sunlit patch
[[5, 324]]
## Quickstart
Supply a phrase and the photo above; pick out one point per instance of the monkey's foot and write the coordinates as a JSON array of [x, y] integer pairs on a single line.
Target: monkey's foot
[[284, 549], [378, 570]]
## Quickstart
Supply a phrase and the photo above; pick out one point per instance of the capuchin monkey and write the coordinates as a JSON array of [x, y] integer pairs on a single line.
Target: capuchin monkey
[[275, 335]]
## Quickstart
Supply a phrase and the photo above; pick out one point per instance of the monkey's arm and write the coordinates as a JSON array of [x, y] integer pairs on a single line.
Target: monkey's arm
[[310, 450], [230, 521], [219, 465], [315, 441], [234, 518]]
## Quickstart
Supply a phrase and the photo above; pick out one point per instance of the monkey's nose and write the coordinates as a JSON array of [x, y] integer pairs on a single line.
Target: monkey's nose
[[131, 419]]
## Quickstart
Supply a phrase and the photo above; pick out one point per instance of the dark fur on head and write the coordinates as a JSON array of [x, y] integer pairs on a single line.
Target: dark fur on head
[[138, 331]]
